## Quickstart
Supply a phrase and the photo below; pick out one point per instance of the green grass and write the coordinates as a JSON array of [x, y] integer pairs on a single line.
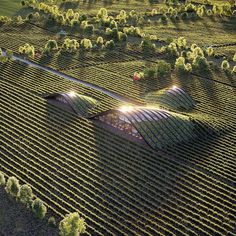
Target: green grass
[[9, 7]]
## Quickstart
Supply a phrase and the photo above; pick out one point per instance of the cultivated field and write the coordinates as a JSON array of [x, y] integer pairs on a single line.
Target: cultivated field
[[118, 184]]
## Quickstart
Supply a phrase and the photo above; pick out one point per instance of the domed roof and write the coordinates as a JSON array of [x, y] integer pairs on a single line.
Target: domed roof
[[159, 128], [81, 104], [173, 98]]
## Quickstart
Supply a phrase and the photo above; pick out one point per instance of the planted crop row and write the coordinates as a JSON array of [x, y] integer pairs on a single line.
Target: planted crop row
[[114, 155]]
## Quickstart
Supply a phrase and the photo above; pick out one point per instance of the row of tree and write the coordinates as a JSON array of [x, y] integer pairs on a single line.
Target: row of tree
[[71, 225], [24, 194]]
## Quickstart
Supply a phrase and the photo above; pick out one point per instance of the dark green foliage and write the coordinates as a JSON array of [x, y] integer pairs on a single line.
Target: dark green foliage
[[2, 179], [200, 63], [110, 45], [12, 186], [72, 225], [25, 194], [150, 72], [89, 29], [39, 209], [52, 221], [147, 45], [163, 69], [160, 70]]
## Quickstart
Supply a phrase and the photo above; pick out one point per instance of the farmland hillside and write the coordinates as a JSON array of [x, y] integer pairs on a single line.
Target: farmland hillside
[[121, 111]]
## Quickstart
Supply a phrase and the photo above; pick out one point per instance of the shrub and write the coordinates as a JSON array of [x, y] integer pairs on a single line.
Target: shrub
[[25, 194], [225, 65], [102, 13], [150, 72], [39, 209], [154, 12], [181, 42], [210, 51], [12, 186], [113, 24], [2, 179], [163, 69], [133, 31], [9, 53], [70, 45], [52, 221], [89, 29], [4, 19], [147, 45], [164, 18], [110, 45], [180, 64], [72, 224], [172, 50], [114, 34]]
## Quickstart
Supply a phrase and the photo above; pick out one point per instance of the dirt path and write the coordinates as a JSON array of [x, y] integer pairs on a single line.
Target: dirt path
[[70, 78]]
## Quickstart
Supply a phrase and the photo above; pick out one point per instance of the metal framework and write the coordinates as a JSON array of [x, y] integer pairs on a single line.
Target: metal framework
[[80, 104], [158, 128]]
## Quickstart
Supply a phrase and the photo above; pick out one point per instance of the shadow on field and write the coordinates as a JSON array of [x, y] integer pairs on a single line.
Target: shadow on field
[[17, 220]]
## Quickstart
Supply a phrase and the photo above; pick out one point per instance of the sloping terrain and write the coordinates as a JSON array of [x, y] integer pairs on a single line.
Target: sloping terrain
[[120, 186]]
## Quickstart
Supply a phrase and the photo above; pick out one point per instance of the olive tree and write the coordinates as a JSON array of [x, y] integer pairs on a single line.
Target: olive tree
[[25, 194], [225, 65], [12, 186], [39, 209], [72, 225], [2, 179]]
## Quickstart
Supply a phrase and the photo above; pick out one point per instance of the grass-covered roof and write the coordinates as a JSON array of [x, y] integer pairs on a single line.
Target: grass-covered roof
[[81, 104], [173, 98]]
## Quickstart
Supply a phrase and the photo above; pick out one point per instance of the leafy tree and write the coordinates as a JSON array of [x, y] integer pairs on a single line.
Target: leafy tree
[[25, 194], [163, 69], [147, 45], [39, 209], [150, 72], [28, 50], [102, 13], [110, 45], [86, 44], [234, 70], [200, 63], [9, 53], [12, 186], [122, 36], [181, 67], [72, 225], [89, 29], [52, 45], [2, 179], [234, 57], [225, 65], [210, 51], [100, 41]]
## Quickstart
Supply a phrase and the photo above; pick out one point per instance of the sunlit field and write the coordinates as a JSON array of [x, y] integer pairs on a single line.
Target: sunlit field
[[117, 118]]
